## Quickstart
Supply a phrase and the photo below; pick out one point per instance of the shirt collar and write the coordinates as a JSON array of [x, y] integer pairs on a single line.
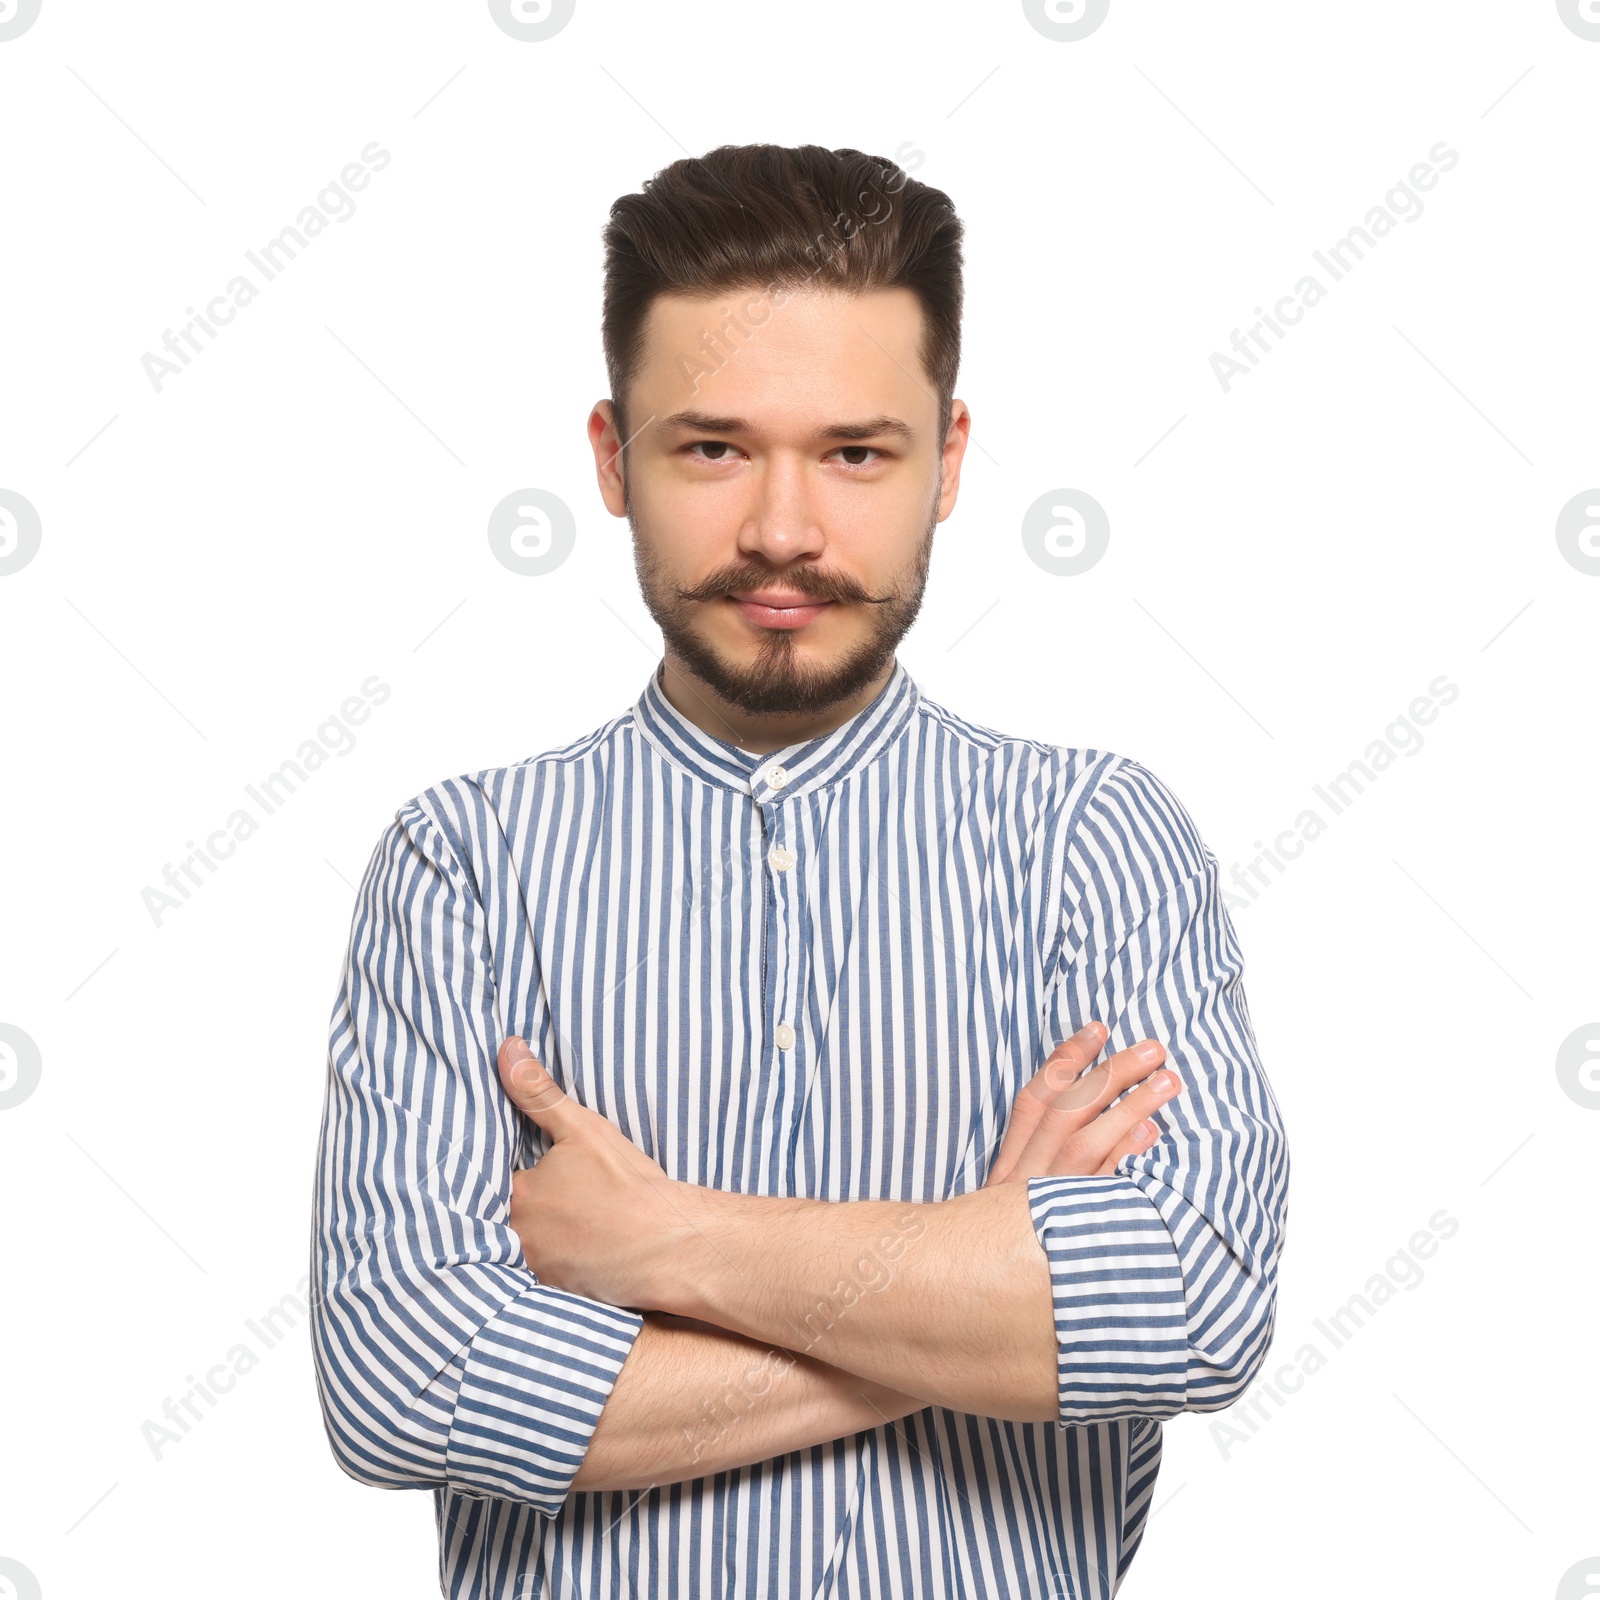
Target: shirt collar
[[796, 768]]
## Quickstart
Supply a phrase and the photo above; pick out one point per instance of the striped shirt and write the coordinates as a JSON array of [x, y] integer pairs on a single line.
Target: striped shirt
[[824, 971]]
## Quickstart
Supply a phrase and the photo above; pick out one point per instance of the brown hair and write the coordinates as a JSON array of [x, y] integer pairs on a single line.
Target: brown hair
[[782, 219]]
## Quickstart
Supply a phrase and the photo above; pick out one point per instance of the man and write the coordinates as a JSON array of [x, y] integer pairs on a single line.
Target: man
[[714, 1198]]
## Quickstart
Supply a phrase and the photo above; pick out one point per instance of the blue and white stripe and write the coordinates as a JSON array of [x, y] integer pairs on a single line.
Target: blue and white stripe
[[825, 971]]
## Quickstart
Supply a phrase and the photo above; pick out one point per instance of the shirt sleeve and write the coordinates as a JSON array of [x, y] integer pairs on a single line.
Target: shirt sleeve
[[1163, 1274], [440, 1358]]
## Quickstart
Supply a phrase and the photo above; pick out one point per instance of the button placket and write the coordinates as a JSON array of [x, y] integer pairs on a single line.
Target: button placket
[[781, 860]]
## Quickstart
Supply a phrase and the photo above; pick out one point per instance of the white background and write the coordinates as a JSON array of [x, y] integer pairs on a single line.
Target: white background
[[224, 562]]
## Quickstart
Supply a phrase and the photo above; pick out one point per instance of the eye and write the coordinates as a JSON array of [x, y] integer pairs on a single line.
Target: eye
[[711, 444], [857, 450]]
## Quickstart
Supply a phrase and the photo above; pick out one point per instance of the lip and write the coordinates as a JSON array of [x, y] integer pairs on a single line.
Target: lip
[[774, 608]]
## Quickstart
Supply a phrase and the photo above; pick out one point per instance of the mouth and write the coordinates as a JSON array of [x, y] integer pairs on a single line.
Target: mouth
[[779, 610]]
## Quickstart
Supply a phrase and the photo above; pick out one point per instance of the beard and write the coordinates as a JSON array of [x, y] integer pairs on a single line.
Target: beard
[[777, 681]]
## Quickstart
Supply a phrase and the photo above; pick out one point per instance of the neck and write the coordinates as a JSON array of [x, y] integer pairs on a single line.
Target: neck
[[760, 734]]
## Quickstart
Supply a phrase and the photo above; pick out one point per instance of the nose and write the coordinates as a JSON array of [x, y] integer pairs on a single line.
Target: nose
[[785, 521]]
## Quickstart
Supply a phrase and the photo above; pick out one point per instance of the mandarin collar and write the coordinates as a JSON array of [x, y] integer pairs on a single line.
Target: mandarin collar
[[778, 774]]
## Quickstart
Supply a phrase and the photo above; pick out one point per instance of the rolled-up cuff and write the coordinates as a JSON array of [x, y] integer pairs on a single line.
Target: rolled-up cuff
[[1117, 1284], [537, 1377]]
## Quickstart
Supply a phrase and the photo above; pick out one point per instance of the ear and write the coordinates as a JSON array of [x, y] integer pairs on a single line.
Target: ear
[[609, 457]]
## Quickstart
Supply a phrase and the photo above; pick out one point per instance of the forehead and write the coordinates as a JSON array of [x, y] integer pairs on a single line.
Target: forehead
[[810, 355]]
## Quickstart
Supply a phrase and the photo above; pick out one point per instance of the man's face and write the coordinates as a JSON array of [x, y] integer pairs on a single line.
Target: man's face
[[782, 487]]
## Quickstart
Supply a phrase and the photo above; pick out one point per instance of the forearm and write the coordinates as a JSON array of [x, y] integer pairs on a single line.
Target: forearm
[[690, 1401], [950, 1299]]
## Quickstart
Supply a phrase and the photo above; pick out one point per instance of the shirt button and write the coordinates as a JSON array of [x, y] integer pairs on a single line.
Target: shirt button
[[781, 858], [777, 777], [785, 1036]]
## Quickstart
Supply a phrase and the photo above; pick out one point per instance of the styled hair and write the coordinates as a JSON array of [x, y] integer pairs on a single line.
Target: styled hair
[[781, 219]]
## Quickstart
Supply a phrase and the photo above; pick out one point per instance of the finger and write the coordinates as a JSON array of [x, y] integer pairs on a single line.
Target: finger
[[1064, 1066], [1078, 1111], [1061, 1070], [1127, 1128], [532, 1090], [1135, 1144]]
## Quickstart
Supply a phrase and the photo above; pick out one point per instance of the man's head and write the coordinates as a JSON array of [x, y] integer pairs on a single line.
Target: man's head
[[782, 333]]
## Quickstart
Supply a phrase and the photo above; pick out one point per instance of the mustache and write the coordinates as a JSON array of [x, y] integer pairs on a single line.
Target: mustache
[[818, 585]]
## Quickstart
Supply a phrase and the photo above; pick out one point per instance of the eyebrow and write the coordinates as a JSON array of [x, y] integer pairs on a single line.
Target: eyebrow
[[872, 428]]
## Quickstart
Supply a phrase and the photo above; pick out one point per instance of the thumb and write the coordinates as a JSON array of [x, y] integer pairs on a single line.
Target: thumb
[[533, 1090]]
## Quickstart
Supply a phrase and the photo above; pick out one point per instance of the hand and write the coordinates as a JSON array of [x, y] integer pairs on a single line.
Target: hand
[[594, 1212], [1060, 1125]]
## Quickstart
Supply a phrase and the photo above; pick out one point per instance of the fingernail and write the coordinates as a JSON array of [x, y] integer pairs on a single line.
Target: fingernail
[[1148, 1051], [1161, 1082], [519, 1048], [1088, 1034]]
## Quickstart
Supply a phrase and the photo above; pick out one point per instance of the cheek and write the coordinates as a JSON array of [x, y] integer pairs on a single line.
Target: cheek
[[880, 527], [682, 515]]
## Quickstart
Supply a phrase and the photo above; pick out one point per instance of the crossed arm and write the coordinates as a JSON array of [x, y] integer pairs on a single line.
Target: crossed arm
[[805, 1320], [681, 1332]]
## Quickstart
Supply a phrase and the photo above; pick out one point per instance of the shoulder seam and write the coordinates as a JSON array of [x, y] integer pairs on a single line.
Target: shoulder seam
[[480, 777], [978, 733]]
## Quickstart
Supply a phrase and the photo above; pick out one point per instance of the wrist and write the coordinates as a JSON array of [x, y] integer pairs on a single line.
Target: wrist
[[683, 1250]]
